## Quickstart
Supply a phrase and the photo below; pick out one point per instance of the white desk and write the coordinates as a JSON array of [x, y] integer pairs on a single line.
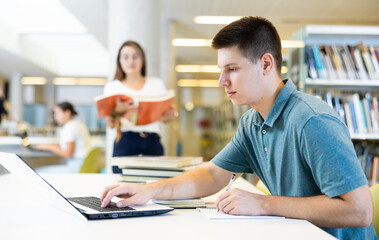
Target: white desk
[[24, 215]]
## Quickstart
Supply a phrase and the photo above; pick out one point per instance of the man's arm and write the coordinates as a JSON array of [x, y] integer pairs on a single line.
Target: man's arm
[[200, 182], [352, 209]]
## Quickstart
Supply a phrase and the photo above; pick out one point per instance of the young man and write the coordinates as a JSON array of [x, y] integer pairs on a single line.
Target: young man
[[294, 142]]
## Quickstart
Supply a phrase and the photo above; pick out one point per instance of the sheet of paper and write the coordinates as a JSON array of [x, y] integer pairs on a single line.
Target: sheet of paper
[[212, 214]]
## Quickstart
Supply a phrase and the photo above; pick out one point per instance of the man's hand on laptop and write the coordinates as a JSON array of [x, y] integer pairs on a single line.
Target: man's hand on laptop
[[132, 194]]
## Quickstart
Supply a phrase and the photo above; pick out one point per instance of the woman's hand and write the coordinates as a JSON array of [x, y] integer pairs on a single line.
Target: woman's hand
[[123, 107], [111, 122], [170, 114]]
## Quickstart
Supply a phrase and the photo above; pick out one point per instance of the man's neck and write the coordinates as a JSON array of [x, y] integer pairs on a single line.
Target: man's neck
[[271, 93]]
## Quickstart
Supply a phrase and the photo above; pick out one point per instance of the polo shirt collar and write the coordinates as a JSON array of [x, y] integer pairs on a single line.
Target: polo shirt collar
[[278, 106]]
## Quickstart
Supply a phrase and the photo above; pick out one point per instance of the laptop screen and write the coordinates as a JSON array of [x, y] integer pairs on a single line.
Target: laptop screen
[[22, 171]]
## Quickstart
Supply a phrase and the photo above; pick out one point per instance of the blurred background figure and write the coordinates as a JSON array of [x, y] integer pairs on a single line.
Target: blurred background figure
[[131, 79], [3, 111], [74, 141]]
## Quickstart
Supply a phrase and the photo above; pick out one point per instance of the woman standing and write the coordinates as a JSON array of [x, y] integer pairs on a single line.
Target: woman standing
[[130, 78], [74, 140]]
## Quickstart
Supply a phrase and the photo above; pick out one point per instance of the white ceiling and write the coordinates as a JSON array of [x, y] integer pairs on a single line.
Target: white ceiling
[[287, 15], [43, 34]]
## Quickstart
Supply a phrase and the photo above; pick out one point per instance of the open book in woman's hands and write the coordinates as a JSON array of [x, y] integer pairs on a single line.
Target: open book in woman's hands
[[150, 108]]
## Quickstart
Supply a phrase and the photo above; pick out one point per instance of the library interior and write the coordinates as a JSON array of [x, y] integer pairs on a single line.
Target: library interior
[[101, 92]]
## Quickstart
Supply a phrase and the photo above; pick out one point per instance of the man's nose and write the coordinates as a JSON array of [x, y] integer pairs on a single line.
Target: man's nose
[[222, 81]]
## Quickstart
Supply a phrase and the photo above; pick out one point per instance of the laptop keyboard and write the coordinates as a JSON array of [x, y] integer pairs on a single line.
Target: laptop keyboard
[[95, 203]]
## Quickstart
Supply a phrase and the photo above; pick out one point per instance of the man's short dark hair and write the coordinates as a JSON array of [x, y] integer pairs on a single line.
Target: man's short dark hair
[[254, 36]]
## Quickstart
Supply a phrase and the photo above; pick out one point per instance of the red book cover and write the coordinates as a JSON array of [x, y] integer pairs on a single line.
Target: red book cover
[[150, 108]]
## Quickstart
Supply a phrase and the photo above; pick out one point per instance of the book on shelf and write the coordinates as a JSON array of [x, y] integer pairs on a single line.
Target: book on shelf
[[343, 62], [348, 118], [374, 173], [156, 172], [375, 114], [339, 108], [347, 62], [318, 62], [331, 66], [367, 60], [359, 113], [150, 108], [369, 160], [182, 203], [375, 61], [355, 128], [338, 62], [360, 65], [159, 162], [311, 63]]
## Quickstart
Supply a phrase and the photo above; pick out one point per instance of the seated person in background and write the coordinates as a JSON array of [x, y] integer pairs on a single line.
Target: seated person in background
[[293, 141], [74, 140], [3, 111]]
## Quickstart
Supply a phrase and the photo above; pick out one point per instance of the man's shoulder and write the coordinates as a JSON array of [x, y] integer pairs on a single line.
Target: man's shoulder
[[303, 107]]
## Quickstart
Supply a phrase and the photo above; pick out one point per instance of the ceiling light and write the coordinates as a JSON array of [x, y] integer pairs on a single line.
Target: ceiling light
[[191, 42], [33, 80], [189, 106], [198, 68], [64, 81], [284, 69], [79, 81], [215, 19], [292, 44], [198, 83], [196, 42], [92, 81]]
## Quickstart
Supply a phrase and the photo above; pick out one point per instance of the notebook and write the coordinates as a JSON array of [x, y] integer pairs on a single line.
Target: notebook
[[213, 214], [78, 206]]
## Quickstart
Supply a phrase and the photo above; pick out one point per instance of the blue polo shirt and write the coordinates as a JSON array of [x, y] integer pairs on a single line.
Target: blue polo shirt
[[301, 149]]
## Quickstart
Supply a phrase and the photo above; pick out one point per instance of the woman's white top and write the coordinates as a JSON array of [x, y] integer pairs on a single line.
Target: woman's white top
[[72, 131], [75, 131], [152, 87]]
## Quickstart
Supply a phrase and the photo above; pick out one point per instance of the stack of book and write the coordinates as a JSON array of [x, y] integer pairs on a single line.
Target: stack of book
[[182, 203], [142, 169]]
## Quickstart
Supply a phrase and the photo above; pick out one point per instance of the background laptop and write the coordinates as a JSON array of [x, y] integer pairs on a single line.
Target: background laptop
[[83, 207]]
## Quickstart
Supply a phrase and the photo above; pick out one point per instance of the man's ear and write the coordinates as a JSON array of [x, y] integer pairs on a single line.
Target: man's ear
[[267, 63]]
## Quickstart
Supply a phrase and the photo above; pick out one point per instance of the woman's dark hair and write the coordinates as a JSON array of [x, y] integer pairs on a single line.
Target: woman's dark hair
[[254, 36], [120, 74], [66, 106]]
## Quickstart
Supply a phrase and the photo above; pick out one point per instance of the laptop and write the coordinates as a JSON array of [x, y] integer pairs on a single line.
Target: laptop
[[87, 208]]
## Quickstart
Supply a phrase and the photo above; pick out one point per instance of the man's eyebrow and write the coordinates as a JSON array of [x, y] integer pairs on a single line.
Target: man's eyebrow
[[229, 64]]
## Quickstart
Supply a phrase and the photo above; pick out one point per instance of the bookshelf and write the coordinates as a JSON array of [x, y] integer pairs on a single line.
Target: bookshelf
[[341, 65]]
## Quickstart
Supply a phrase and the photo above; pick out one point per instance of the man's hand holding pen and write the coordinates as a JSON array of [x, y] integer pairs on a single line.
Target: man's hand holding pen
[[239, 202]]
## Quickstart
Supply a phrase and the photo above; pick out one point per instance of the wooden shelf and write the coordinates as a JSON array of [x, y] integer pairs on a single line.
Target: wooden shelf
[[341, 30], [365, 136], [341, 83]]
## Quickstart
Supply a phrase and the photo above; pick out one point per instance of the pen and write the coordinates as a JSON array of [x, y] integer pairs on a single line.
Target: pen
[[229, 185], [231, 182]]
